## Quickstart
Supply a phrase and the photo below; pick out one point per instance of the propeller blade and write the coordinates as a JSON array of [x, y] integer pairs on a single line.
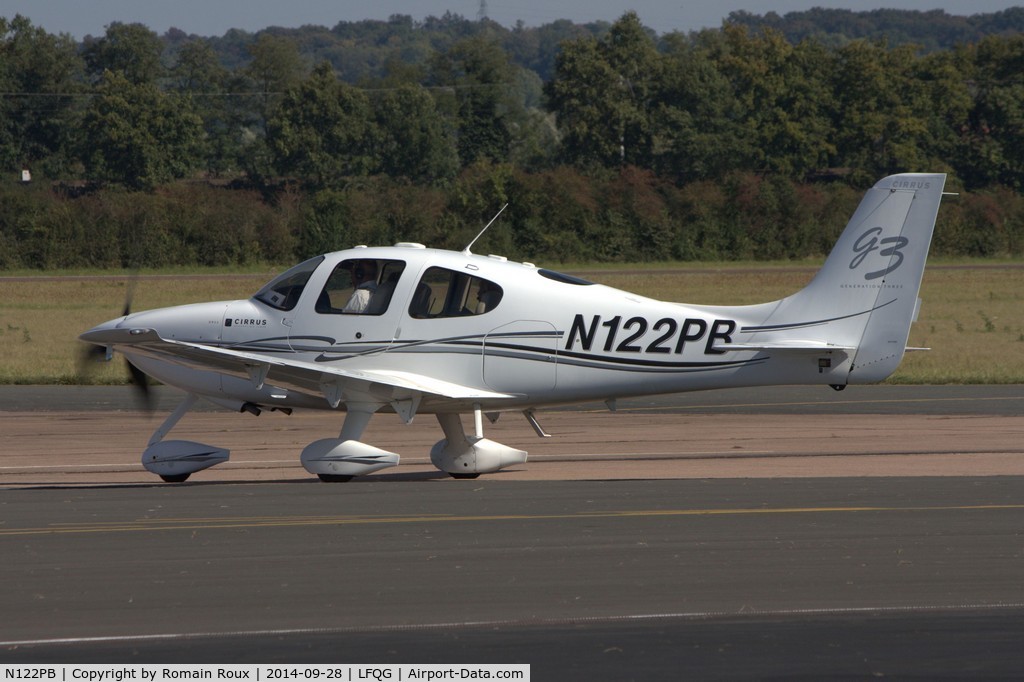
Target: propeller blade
[[129, 294], [140, 382], [88, 355]]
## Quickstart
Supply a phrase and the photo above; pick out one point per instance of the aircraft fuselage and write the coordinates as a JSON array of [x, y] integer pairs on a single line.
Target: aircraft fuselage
[[550, 339]]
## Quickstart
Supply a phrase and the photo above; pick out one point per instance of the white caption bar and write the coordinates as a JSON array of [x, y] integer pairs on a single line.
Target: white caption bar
[[264, 673]]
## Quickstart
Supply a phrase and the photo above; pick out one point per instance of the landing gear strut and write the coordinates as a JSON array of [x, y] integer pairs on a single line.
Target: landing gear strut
[[336, 460], [463, 456], [175, 460]]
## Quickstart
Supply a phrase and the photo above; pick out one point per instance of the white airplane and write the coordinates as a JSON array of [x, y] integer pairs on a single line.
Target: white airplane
[[412, 330]]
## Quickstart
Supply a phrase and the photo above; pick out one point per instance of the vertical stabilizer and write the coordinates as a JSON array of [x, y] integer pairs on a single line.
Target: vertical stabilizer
[[893, 259], [865, 296]]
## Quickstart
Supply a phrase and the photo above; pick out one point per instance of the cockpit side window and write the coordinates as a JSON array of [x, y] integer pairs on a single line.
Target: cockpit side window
[[447, 293], [360, 286], [283, 291]]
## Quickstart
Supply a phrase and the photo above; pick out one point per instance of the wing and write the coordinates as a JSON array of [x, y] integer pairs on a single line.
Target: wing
[[404, 391]]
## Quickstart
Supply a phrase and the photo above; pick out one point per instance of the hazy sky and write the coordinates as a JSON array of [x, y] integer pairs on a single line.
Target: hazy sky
[[214, 17]]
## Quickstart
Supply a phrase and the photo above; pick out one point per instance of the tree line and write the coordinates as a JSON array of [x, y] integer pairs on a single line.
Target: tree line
[[931, 30], [611, 142]]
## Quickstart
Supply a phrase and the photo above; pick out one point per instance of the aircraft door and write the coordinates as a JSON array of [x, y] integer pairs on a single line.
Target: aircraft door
[[451, 308], [354, 311], [521, 356]]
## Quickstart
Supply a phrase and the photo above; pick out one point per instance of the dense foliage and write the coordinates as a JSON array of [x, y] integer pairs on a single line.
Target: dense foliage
[[609, 141], [933, 30]]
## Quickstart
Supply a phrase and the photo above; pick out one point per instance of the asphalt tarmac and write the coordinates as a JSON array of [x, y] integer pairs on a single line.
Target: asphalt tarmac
[[754, 568]]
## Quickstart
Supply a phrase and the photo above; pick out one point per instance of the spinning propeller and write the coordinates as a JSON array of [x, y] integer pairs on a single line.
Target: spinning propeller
[[91, 354]]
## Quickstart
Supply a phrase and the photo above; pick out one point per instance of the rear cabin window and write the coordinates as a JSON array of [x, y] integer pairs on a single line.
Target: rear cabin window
[[360, 286], [447, 293]]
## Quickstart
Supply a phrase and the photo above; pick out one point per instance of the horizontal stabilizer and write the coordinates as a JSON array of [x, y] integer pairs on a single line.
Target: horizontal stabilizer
[[794, 346]]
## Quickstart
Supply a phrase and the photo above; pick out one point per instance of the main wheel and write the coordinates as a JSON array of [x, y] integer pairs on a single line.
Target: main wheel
[[335, 478], [175, 478], [463, 476]]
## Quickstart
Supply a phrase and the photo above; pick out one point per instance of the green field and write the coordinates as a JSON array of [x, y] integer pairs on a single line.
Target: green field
[[970, 317]]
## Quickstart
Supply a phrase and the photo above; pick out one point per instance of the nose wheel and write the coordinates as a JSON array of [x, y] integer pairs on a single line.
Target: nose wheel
[[175, 460], [335, 478]]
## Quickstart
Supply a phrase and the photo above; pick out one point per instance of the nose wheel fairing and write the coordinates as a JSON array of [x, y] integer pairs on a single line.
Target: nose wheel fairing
[[175, 460]]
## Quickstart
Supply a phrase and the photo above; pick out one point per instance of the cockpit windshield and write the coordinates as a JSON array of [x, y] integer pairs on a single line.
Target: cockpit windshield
[[283, 291]]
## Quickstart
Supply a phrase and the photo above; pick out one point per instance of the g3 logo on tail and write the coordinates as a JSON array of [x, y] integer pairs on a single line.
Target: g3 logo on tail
[[869, 241]]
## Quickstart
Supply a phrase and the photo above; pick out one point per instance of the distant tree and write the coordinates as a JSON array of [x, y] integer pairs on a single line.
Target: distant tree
[[398, 73], [199, 74], [946, 102], [784, 94], [137, 136], [993, 135], [536, 48], [132, 50], [932, 30], [322, 133], [198, 69], [276, 67], [233, 48], [41, 74], [603, 94], [413, 141], [1006, 22], [480, 77], [697, 130], [535, 141], [878, 122]]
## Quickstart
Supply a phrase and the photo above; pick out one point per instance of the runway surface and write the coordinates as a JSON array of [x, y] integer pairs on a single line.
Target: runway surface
[[795, 535]]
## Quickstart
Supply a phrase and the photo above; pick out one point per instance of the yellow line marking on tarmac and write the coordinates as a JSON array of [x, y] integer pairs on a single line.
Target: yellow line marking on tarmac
[[291, 521]]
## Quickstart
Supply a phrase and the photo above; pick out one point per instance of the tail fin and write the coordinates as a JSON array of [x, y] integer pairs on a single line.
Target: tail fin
[[865, 296]]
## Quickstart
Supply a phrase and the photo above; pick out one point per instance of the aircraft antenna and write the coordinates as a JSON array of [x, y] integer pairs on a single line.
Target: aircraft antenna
[[466, 251]]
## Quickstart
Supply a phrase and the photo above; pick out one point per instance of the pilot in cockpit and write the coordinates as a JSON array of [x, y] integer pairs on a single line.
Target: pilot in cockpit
[[364, 277]]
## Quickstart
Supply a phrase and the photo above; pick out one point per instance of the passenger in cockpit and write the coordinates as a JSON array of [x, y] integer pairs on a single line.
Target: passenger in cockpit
[[487, 296]]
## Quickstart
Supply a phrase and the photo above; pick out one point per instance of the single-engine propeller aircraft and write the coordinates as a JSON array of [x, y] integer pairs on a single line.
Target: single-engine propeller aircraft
[[413, 330]]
